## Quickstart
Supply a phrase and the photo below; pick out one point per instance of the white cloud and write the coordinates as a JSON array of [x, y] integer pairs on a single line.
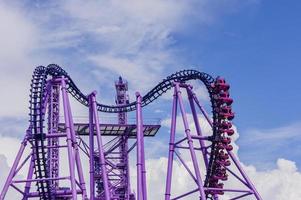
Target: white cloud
[[279, 141], [142, 78], [9, 148], [18, 36], [18, 40], [280, 183], [205, 126], [281, 133], [130, 38], [285, 179], [136, 35], [156, 178]]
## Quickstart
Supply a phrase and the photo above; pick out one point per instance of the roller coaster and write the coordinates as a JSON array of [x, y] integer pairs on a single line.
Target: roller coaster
[[107, 146]]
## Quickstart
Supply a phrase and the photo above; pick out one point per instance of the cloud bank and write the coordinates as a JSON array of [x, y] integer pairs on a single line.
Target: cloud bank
[[105, 39]]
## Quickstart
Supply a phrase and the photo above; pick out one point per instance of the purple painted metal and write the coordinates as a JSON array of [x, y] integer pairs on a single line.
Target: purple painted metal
[[190, 95], [190, 144], [70, 141], [141, 182], [119, 174], [122, 99], [109, 174], [91, 151], [232, 156], [52, 99], [53, 143], [78, 164], [29, 176], [171, 146], [101, 157]]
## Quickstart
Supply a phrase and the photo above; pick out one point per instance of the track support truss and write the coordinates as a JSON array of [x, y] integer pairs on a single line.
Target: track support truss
[[56, 149]]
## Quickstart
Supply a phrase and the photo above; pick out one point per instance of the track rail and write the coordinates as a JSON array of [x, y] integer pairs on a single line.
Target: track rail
[[36, 114], [37, 98]]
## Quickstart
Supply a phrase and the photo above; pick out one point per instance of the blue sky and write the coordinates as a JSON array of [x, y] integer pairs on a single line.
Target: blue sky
[[258, 50], [254, 44]]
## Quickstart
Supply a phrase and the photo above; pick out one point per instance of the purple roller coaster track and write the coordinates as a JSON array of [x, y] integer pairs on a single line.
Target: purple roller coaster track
[[106, 146]]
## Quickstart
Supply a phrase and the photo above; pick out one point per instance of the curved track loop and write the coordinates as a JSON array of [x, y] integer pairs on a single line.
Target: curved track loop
[[37, 112], [220, 101]]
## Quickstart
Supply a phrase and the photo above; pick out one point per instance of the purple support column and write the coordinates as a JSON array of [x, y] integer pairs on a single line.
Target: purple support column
[[192, 97], [13, 169], [77, 156], [100, 147], [71, 156], [128, 171], [190, 144], [143, 166], [91, 150], [171, 145], [141, 182], [197, 125]]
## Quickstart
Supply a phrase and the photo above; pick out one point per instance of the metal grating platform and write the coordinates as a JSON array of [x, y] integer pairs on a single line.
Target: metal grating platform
[[113, 129]]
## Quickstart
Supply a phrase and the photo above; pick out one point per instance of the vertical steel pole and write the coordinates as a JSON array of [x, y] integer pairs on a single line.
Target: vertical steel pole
[[192, 98], [71, 156], [197, 125], [143, 166], [128, 181], [13, 169], [100, 148], [77, 156], [190, 144], [91, 150], [141, 183], [171, 145]]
